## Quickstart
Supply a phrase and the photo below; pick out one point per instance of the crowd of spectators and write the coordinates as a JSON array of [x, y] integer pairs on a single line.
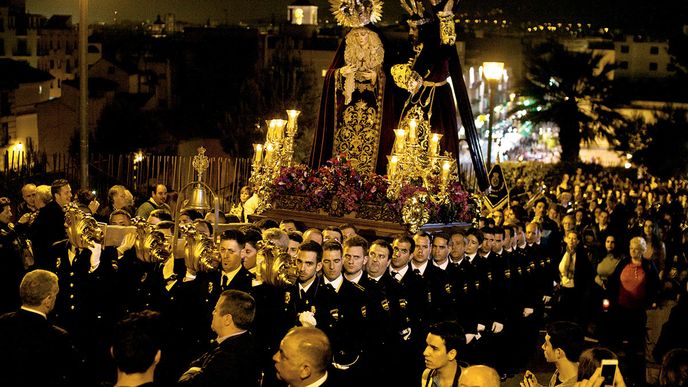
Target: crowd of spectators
[[597, 261]]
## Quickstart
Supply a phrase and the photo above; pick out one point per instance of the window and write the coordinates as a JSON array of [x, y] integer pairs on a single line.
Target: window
[[624, 49], [654, 50], [623, 65], [4, 134], [4, 103], [671, 67], [653, 66], [2, 47], [111, 70], [52, 64]]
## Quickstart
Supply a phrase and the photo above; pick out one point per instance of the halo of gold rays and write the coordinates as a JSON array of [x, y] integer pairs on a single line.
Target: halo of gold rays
[[356, 13]]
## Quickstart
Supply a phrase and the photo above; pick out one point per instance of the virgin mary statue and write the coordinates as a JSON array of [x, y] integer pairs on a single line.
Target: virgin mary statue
[[351, 114]]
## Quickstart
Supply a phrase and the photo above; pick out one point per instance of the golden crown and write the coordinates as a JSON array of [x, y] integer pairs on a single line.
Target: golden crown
[[356, 13]]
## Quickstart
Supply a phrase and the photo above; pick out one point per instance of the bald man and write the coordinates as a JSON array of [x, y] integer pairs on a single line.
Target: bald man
[[479, 376], [303, 357]]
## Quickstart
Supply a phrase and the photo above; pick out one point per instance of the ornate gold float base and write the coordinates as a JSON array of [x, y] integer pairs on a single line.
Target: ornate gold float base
[[366, 227]]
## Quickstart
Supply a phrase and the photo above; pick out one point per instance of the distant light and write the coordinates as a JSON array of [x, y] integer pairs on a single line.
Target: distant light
[[138, 157], [629, 156], [493, 70], [18, 147], [627, 165], [323, 73]]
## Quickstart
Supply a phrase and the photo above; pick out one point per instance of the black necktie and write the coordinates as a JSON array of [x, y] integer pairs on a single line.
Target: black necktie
[[224, 281], [303, 294], [417, 272], [395, 274]]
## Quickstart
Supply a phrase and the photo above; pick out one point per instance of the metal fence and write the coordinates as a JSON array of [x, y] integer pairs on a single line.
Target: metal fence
[[224, 175]]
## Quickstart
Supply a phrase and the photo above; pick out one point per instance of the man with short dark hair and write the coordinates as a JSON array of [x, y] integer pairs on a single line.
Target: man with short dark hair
[[199, 292], [350, 300], [156, 201], [159, 215], [312, 299], [355, 258], [332, 233], [234, 360], [28, 340], [295, 240], [119, 218], [136, 348], [441, 247], [288, 225], [444, 344], [303, 357], [563, 345]]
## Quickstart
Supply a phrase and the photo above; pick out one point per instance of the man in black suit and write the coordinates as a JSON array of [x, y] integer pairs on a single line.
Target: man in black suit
[[199, 292], [27, 339], [136, 348], [48, 227], [303, 357], [234, 360], [350, 314]]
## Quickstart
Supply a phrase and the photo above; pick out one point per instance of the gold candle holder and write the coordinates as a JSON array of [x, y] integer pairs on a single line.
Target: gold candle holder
[[399, 140], [258, 156], [434, 147], [413, 136], [292, 123]]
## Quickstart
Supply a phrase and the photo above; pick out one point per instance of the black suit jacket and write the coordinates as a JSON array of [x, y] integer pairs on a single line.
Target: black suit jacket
[[234, 362], [34, 352], [46, 229]]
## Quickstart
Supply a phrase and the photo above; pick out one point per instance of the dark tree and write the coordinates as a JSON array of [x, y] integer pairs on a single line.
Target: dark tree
[[664, 145], [571, 90], [284, 83]]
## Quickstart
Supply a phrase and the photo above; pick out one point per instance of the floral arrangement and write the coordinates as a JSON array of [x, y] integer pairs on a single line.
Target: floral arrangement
[[337, 188]]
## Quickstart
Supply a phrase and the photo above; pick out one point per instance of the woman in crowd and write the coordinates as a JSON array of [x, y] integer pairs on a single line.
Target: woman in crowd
[[656, 250], [238, 209], [633, 288]]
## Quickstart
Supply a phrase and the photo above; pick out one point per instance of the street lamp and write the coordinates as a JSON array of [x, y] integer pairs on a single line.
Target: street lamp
[[493, 72]]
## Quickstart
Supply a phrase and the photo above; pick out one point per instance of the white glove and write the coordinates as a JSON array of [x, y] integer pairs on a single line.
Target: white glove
[[481, 327], [546, 299], [497, 327], [406, 334], [527, 312], [307, 319], [127, 243], [469, 337], [96, 249]]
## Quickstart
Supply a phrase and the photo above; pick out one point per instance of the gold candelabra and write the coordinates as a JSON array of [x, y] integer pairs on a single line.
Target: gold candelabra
[[416, 160], [276, 152]]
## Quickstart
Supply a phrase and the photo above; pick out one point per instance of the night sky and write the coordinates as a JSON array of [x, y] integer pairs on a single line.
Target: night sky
[[187, 10], [601, 12]]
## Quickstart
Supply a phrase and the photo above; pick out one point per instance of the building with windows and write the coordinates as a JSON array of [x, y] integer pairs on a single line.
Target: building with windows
[[19, 32], [19, 97], [641, 58], [58, 51]]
